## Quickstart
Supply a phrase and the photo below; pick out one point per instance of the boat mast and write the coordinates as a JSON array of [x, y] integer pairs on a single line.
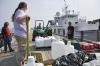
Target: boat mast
[[66, 7], [65, 3]]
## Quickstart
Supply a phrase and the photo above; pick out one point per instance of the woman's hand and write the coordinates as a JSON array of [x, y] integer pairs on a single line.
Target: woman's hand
[[28, 18]]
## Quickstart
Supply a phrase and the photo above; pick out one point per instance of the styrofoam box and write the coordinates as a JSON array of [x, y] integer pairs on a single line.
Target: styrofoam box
[[92, 63], [86, 64], [97, 56], [39, 42], [95, 63], [44, 41]]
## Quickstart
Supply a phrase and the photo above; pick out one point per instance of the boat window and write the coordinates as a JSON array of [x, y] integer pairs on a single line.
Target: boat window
[[90, 22], [71, 16], [54, 30], [56, 20], [63, 32], [58, 31], [76, 22], [65, 23]]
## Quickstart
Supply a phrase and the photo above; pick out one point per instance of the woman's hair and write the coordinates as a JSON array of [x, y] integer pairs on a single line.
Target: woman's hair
[[20, 6]]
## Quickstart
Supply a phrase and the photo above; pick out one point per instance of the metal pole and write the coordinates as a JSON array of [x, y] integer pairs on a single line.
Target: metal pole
[[35, 24], [98, 36], [82, 35]]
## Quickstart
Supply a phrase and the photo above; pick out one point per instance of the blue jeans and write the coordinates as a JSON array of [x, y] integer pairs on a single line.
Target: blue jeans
[[7, 42]]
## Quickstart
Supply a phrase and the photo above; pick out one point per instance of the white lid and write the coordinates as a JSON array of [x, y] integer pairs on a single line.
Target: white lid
[[69, 43], [31, 59]]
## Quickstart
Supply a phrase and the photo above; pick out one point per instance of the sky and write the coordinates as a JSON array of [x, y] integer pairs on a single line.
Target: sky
[[46, 9]]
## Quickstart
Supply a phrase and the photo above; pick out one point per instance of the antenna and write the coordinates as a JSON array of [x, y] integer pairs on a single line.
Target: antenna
[[66, 3], [66, 7]]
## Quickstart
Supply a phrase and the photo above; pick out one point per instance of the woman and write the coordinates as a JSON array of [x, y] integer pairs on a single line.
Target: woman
[[19, 19]]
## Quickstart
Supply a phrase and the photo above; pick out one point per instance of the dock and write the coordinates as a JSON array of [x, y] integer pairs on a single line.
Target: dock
[[9, 59]]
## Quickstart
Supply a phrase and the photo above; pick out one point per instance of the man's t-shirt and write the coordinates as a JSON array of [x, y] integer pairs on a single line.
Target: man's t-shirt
[[6, 32], [70, 29]]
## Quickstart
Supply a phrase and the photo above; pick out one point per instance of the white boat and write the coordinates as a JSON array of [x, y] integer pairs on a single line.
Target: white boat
[[60, 23]]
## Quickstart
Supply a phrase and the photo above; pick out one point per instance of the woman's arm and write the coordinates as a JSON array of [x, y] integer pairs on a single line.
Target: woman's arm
[[21, 16], [21, 19]]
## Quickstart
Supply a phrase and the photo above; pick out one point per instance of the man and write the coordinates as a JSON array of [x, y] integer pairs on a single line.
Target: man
[[39, 26], [70, 31], [7, 37]]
